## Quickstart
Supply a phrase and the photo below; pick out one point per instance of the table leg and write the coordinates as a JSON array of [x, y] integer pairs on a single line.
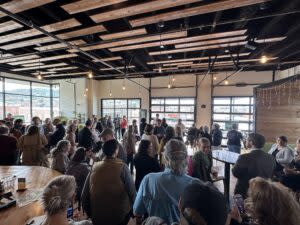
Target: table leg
[[227, 181]]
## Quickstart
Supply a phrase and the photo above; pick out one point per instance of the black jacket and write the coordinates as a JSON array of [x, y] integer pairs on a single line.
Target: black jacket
[[257, 163], [85, 138]]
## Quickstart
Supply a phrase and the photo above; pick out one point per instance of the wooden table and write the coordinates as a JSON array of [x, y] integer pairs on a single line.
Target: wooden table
[[36, 178], [228, 158]]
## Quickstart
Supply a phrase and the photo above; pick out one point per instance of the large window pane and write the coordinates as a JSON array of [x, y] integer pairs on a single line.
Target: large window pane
[[241, 101], [55, 90], [18, 105], [221, 117], [134, 103], [172, 101], [187, 108], [171, 108], [121, 103], [240, 117], [157, 108], [55, 107], [1, 106], [17, 87], [108, 103], [221, 101], [133, 114], [221, 109], [41, 107], [240, 109], [1, 84], [39, 89], [157, 101], [121, 112], [187, 101]]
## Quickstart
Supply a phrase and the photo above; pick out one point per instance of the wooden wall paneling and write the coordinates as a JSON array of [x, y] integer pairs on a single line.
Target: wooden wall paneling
[[85, 5], [71, 34], [193, 11], [118, 67], [45, 59], [139, 9], [64, 68], [59, 45], [40, 67], [16, 58], [217, 41], [195, 59], [133, 41], [9, 25], [33, 32], [66, 74], [109, 59], [277, 111], [123, 34], [183, 40], [267, 40], [17, 6]]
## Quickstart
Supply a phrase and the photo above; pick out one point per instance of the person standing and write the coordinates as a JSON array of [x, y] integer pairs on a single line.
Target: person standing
[[256, 163], [181, 126], [57, 135], [234, 139], [217, 135], [71, 137], [60, 156], [8, 150], [110, 123], [48, 127], [109, 192], [164, 123], [129, 141], [142, 126], [206, 134], [192, 135], [85, 136], [117, 125], [159, 131], [123, 125], [148, 135]]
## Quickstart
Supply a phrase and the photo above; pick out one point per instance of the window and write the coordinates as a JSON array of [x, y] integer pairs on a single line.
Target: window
[[173, 109], [25, 99], [122, 107], [229, 110]]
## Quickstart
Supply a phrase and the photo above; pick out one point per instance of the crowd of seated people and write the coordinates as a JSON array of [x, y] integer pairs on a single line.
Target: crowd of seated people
[[167, 186]]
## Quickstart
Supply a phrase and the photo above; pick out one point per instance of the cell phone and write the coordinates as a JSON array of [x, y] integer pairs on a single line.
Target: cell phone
[[70, 211], [239, 202], [7, 200]]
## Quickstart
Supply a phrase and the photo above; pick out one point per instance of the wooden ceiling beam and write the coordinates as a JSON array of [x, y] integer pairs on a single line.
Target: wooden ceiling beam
[[17, 6], [63, 68], [139, 9], [85, 5], [17, 58], [182, 50], [59, 45], [32, 64], [71, 34], [66, 24], [46, 59], [181, 40], [9, 25], [40, 67], [195, 59], [123, 34], [43, 72], [118, 67], [133, 41], [66, 74], [109, 59], [193, 11]]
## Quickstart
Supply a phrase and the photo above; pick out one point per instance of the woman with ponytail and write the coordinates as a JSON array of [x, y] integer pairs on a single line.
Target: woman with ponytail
[[60, 156]]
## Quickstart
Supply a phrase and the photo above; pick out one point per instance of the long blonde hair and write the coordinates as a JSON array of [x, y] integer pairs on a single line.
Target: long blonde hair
[[271, 203]]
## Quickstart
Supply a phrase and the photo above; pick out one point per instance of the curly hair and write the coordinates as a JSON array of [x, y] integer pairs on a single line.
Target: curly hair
[[272, 203]]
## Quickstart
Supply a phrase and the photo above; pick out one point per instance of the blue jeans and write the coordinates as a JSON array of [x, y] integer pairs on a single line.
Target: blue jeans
[[234, 148]]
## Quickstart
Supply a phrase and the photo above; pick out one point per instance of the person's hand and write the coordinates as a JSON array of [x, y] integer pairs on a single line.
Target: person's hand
[[234, 214]]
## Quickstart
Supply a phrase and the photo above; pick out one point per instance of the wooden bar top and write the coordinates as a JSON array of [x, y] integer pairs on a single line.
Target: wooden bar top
[[36, 179]]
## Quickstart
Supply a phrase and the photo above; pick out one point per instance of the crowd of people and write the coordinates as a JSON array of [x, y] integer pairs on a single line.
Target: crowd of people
[[157, 182]]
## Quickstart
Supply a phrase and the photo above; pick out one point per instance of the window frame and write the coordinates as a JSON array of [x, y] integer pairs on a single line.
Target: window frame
[[30, 95]]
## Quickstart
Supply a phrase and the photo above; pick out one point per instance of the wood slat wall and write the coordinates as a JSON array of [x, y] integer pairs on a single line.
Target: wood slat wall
[[208, 8], [139, 9], [278, 111], [85, 5], [17, 6]]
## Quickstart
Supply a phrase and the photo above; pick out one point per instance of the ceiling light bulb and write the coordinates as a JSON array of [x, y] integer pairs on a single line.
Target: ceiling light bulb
[[39, 77], [110, 94], [169, 57], [215, 78], [169, 86], [264, 59], [123, 87], [90, 75], [226, 82], [86, 89], [173, 79], [162, 46], [84, 94], [159, 69]]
